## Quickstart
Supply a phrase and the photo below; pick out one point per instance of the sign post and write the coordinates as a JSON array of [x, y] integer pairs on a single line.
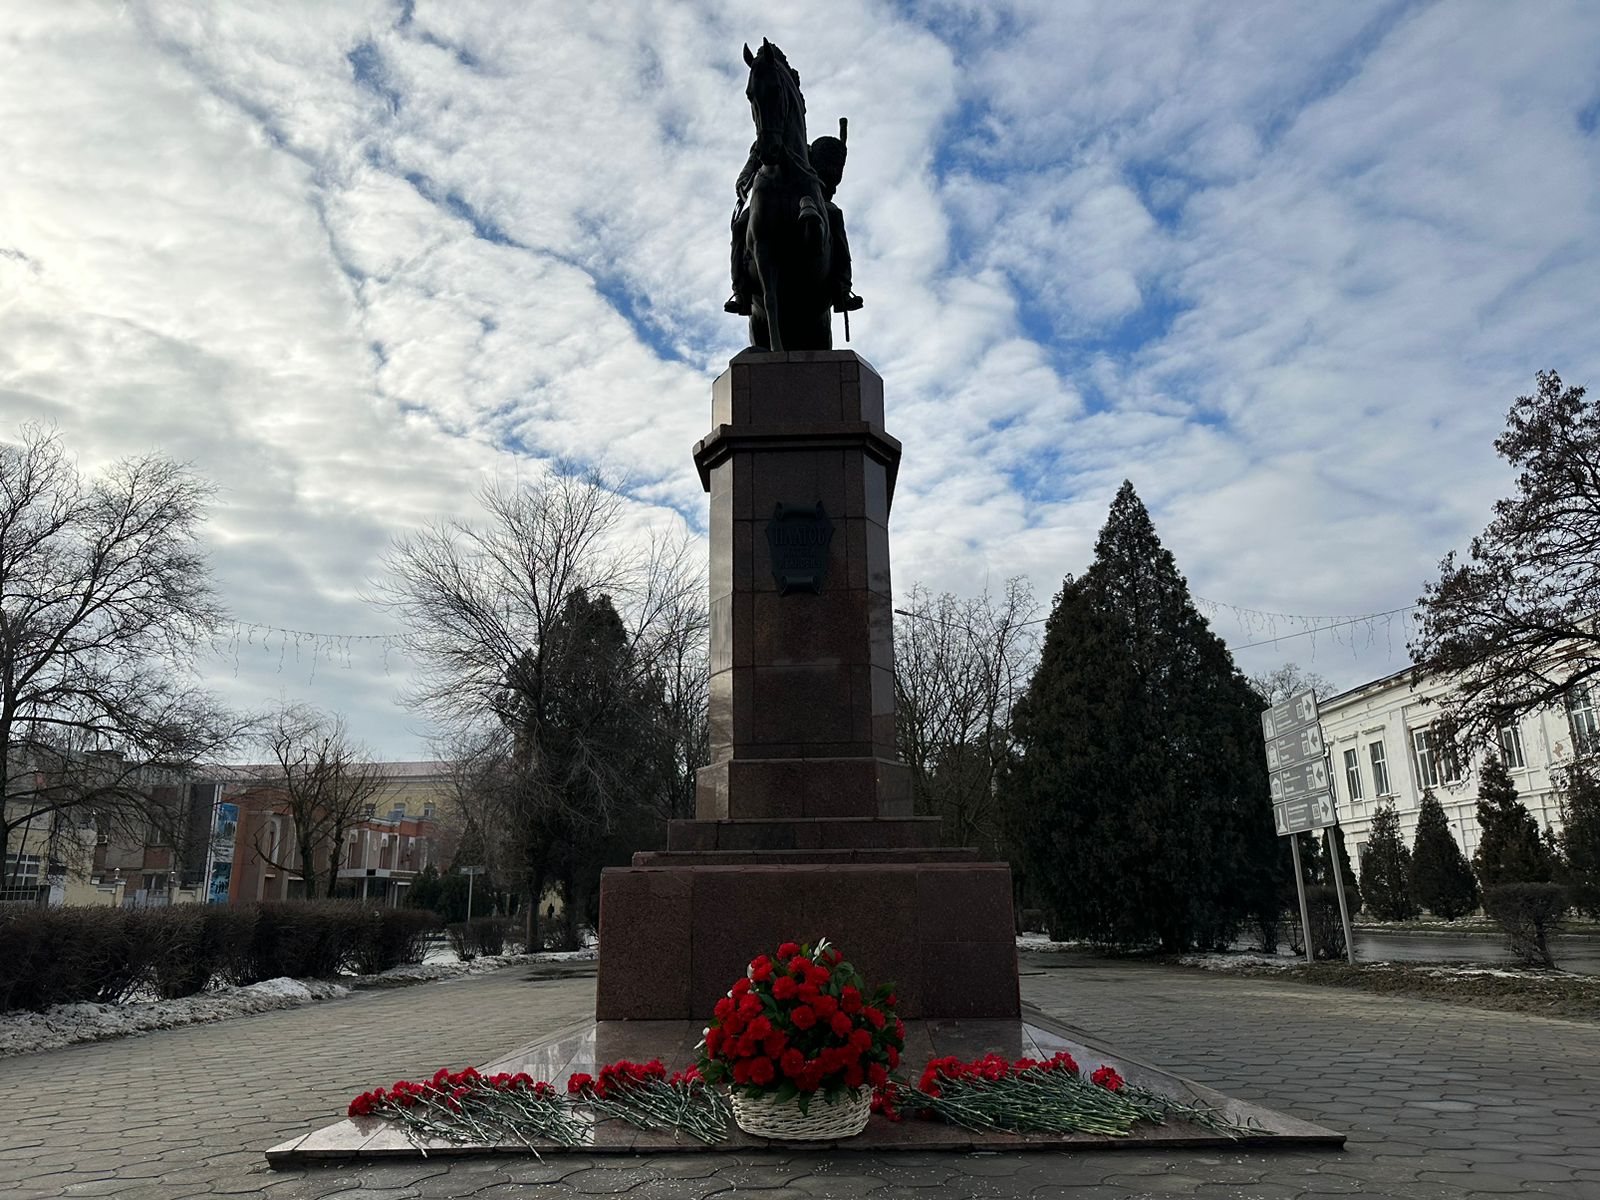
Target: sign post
[[1300, 890], [1338, 884], [471, 873], [1301, 779]]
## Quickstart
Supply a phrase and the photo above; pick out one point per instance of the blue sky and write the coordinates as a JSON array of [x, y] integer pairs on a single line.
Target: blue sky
[[1284, 266]]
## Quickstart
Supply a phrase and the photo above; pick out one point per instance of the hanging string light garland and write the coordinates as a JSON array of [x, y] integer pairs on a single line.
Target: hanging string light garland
[[341, 648], [1251, 620], [331, 647]]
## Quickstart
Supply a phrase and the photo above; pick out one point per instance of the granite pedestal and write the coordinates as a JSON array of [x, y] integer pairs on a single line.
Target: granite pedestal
[[803, 821]]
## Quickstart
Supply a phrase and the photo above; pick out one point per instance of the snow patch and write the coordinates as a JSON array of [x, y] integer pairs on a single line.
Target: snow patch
[[1041, 942], [1237, 962], [66, 1024]]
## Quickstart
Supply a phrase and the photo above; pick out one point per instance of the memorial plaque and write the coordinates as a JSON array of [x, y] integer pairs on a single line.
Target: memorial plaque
[[798, 536]]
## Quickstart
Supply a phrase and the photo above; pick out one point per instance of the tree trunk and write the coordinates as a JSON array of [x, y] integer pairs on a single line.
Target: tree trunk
[[535, 898], [308, 870], [333, 864], [569, 915]]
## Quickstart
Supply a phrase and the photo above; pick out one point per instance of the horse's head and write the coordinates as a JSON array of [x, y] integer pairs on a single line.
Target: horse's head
[[775, 102]]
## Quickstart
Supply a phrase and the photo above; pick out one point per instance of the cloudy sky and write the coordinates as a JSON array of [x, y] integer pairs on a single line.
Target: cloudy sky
[[1283, 266]]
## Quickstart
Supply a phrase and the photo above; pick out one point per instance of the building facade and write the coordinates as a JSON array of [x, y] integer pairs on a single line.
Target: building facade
[[1382, 751], [408, 825]]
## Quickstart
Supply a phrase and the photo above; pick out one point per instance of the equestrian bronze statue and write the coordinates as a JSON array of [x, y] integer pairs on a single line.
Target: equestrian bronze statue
[[791, 262]]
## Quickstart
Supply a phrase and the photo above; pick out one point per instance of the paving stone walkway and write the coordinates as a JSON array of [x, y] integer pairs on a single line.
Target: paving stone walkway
[[1439, 1101]]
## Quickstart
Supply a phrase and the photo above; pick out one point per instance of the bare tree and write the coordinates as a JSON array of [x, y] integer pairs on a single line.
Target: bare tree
[[564, 644], [105, 594], [323, 780], [1513, 625], [960, 665], [1289, 680]]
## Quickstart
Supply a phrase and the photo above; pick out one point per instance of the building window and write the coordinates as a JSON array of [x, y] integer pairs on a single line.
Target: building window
[[1352, 773], [1511, 747], [1380, 771], [427, 811], [1584, 720], [22, 870], [1430, 763], [369, 810]]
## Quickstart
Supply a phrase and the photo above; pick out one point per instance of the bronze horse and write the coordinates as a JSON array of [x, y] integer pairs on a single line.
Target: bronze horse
[[787, 262]]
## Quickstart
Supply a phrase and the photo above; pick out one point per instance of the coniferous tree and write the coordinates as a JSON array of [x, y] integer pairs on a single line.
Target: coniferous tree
[[1441, 876], [1352, 887], [1580, 838], [1311, 864], [1139, 796], [1386, 869], [1510, 849]]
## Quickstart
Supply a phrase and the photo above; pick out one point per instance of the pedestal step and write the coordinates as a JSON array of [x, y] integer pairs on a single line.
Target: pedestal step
[[798, 833], [905, 855]]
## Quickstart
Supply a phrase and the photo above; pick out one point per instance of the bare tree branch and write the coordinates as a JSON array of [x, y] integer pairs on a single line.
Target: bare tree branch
[[105, 594]]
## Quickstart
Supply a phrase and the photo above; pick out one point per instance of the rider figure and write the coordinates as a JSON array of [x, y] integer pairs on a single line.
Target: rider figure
[[827, 155]]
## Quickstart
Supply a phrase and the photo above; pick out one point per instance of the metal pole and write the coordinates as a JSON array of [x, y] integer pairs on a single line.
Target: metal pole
[[1338, 883], [470, 878], [1300, 887]]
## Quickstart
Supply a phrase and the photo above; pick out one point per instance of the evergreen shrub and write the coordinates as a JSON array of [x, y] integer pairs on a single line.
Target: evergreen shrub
[[1510, 849], [1386, 869], [1528, 913], [1441, 877], [1580, 839]]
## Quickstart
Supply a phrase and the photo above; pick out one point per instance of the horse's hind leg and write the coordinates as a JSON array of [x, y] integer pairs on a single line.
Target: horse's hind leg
[[758, 325]]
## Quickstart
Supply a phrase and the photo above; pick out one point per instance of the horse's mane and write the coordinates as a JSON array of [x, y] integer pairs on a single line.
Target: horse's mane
[[800, 160]]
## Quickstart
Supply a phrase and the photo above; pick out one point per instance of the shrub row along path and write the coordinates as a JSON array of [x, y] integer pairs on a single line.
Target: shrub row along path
[[1439, 1101]]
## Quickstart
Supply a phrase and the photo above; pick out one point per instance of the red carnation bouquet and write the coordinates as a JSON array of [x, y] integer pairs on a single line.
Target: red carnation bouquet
[[802, 1021]]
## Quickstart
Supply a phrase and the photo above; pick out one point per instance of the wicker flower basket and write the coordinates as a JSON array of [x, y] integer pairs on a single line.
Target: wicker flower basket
[[765, 1117]]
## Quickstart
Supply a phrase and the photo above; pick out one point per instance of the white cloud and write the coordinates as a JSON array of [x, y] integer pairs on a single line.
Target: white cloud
[[1283, 267]]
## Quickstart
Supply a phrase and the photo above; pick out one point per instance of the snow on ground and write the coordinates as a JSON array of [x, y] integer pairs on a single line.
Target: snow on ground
[[446, 965], [1039, 942], [1237, 962], [1246, 962], [66, 1024]]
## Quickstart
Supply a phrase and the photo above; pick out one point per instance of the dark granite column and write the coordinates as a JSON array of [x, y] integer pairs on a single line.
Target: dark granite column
[[802, 681]]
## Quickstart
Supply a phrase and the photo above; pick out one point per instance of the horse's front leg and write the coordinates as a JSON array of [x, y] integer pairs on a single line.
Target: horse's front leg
[[766, 263]]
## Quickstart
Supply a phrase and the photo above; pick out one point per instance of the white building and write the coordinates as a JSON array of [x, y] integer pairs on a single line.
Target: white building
[[1382, 751]]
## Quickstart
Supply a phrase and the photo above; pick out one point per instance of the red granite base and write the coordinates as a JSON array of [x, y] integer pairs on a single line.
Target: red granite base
[[942, 932]]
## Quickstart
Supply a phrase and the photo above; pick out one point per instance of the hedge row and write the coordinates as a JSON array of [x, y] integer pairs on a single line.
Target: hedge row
[[69, 955]]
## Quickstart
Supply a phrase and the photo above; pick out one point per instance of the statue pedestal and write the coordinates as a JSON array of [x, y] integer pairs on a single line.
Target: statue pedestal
[[803, 825]]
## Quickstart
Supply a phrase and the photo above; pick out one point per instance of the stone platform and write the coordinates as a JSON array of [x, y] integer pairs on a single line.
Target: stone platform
[[587, 1046]]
